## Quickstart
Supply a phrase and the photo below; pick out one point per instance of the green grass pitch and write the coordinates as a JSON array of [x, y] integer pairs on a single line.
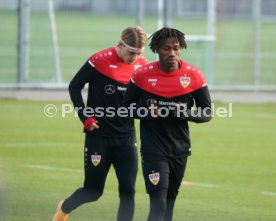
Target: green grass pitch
[[232, 170]]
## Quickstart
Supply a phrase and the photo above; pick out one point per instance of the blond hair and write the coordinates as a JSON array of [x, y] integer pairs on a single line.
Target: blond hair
[[134, 37]]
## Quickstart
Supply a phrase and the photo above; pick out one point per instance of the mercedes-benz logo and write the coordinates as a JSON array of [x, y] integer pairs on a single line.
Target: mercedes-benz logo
[[109, 89], [151, 101]]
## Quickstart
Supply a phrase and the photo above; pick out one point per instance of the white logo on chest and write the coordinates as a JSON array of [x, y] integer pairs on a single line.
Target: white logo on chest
[[136, 66], [113, 66], [153, 81]]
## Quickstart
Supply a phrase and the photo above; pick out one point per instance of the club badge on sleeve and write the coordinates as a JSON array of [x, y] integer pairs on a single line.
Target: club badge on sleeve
[[154, 178], [96, 159]]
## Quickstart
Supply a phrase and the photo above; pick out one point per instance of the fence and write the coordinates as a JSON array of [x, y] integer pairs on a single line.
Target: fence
[[242, 56]]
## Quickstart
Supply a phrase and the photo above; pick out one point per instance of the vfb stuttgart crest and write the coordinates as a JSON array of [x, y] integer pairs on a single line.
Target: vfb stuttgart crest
[[154, 178], [185, 81], [96, 159]]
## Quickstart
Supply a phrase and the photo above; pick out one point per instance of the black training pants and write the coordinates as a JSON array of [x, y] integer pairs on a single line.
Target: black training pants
[[99, 154]]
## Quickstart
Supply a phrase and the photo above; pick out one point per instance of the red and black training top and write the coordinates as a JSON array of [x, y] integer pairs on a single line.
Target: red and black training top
[[107, 76], [168, 135]]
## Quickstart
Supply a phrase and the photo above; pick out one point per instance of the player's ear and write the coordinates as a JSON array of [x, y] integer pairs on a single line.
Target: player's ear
[[120, 45]]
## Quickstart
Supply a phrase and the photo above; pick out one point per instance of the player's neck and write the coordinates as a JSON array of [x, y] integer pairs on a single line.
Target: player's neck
[[168, 68], [118, 52]]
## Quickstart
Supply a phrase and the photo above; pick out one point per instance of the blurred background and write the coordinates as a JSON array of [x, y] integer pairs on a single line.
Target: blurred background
[[233, 42]]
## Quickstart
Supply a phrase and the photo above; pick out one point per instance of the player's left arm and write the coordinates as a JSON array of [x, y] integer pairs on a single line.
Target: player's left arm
[[203, 111], [203, 107]]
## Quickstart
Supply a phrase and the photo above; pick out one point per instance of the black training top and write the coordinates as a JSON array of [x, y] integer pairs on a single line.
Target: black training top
[[168, 134], [107, 76]]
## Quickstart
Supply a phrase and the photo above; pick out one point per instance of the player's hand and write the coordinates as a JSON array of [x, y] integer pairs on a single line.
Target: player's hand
[[94, 126], [154, 110], [91, 124]]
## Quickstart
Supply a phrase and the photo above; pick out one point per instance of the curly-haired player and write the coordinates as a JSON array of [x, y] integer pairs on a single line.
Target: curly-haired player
[[170, 88]]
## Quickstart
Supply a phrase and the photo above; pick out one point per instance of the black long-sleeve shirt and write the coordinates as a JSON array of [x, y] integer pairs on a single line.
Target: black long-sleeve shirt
[[168, 134], [107, 77]]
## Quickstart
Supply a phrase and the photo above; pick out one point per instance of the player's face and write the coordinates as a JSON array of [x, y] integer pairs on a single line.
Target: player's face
[[128, 55], [169, 54]]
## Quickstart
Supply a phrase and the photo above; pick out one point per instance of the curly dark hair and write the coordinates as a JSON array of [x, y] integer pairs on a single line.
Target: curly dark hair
[[157, 38]]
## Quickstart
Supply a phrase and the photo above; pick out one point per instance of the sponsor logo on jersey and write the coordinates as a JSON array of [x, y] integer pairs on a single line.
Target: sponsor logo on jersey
[[154, 178], [109, 89], [119, 88], [113, 66], [167, 103], [151, 101], [136, 66], [185, 81], [153, 81], [96, 159]]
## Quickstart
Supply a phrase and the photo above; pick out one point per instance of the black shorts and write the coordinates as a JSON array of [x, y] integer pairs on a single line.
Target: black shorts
[[101, 152], [162, 172]]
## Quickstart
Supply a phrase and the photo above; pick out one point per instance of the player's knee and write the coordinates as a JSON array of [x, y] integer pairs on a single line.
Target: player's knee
[[172, 195], [123, 190], [94, 194], [98, 194], [158, 201], [128, 195], [159, 204], [157, 209]]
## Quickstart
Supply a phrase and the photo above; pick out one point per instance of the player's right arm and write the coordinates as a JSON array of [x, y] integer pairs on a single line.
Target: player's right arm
[[83, 76]]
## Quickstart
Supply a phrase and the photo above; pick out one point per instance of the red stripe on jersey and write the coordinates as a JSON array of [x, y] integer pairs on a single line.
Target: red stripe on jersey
[[108, 63], [169, 84]]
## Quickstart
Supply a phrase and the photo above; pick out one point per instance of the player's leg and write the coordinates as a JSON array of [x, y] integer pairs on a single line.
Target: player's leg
[[156, 176], [170, 201], [157, 205], [125, 162], [177, 169], [96, 166]]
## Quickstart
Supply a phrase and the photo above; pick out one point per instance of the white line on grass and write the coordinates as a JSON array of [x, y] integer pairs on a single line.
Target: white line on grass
[[49, 168], [184, 183], [269, 193], [35, 144], [187, 183], [41, 167]]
